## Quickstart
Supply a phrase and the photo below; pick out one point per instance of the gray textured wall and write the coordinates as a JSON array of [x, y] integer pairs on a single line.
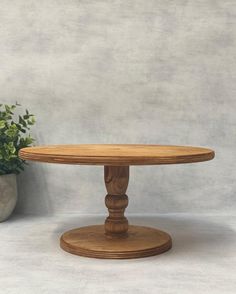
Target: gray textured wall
[[124, 72]]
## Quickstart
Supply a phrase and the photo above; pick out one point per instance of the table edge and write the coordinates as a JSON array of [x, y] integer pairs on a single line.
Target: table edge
[[119, 160]]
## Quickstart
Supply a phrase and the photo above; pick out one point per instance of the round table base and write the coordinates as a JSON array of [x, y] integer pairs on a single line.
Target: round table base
[[91, 241]]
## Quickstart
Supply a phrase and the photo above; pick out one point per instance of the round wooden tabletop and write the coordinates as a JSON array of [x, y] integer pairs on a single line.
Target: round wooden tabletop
[[111, 154]]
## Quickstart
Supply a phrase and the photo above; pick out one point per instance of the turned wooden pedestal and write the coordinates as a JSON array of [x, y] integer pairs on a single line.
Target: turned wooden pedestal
[[116, 238]]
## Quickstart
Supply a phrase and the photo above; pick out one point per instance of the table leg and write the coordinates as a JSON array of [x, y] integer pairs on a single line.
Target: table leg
[[116, 181], [116, 238]]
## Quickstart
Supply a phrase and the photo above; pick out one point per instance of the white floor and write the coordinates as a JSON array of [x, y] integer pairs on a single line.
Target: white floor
[[202, 260]]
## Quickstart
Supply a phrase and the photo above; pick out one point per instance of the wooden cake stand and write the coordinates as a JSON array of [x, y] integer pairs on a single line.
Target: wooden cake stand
[[116, 238]]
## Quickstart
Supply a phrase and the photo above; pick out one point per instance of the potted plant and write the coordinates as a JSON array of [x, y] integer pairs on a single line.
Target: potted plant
[[14, 135]]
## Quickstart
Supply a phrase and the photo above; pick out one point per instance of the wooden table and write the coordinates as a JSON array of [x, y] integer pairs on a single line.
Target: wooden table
[[116, 238]]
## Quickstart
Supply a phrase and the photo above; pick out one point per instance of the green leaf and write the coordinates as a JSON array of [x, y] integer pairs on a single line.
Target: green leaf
[[31, 121], [8, 109], [22, 121], [29, 140], [2, 124], [12, 131], [11, 147]]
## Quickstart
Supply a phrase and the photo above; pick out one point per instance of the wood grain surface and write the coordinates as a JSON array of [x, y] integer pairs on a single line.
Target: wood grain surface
[[109, 154], [92, 242], [116, 181]]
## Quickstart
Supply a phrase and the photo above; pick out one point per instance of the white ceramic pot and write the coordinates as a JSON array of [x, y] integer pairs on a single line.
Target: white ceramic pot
[[8, 195]]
